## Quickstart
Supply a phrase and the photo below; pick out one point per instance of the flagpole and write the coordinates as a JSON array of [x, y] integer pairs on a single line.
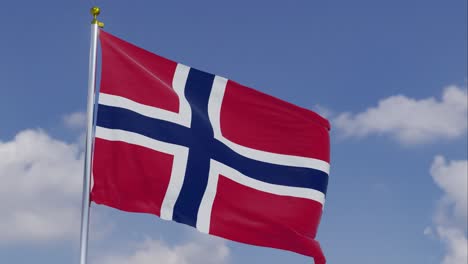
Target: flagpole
[[95, 24]]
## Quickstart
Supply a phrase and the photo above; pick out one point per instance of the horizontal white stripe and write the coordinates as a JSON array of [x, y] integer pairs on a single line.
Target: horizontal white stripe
[[214, 110], [179, 164], [217, 168], [149, 111], [184, 116]]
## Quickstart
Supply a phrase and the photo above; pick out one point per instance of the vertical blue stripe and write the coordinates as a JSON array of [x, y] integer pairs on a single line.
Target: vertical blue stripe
[[197, 92]]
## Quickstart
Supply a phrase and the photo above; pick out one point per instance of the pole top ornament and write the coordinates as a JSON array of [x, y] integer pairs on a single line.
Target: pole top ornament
[[95, 11]]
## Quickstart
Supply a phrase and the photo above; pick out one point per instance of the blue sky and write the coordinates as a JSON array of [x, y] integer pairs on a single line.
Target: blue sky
[[390, 75]]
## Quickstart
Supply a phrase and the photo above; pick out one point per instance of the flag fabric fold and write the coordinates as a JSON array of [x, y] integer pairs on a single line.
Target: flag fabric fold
[[205, 151]]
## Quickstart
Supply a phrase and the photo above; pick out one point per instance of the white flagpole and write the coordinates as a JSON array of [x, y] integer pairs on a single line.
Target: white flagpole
[[89, 136]]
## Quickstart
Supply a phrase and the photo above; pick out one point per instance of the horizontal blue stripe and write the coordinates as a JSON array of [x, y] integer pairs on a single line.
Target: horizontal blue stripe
[[119, 118]]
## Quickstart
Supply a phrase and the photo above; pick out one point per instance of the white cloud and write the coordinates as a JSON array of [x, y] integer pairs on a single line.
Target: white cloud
[[456, 243], [410, 120], [40, 188], [450, 218], [199, 251], [76, 120], [452, 178]]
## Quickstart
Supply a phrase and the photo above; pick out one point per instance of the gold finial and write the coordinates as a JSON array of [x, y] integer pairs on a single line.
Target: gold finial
[[95, 11]]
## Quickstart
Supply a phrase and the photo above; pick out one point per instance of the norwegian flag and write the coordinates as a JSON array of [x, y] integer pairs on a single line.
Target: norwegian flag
[[205, 151]]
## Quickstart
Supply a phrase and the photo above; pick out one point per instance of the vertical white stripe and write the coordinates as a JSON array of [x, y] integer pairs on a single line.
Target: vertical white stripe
[[179, 166], [206, 205], [214, 105], [178, 83], [180, 160]]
